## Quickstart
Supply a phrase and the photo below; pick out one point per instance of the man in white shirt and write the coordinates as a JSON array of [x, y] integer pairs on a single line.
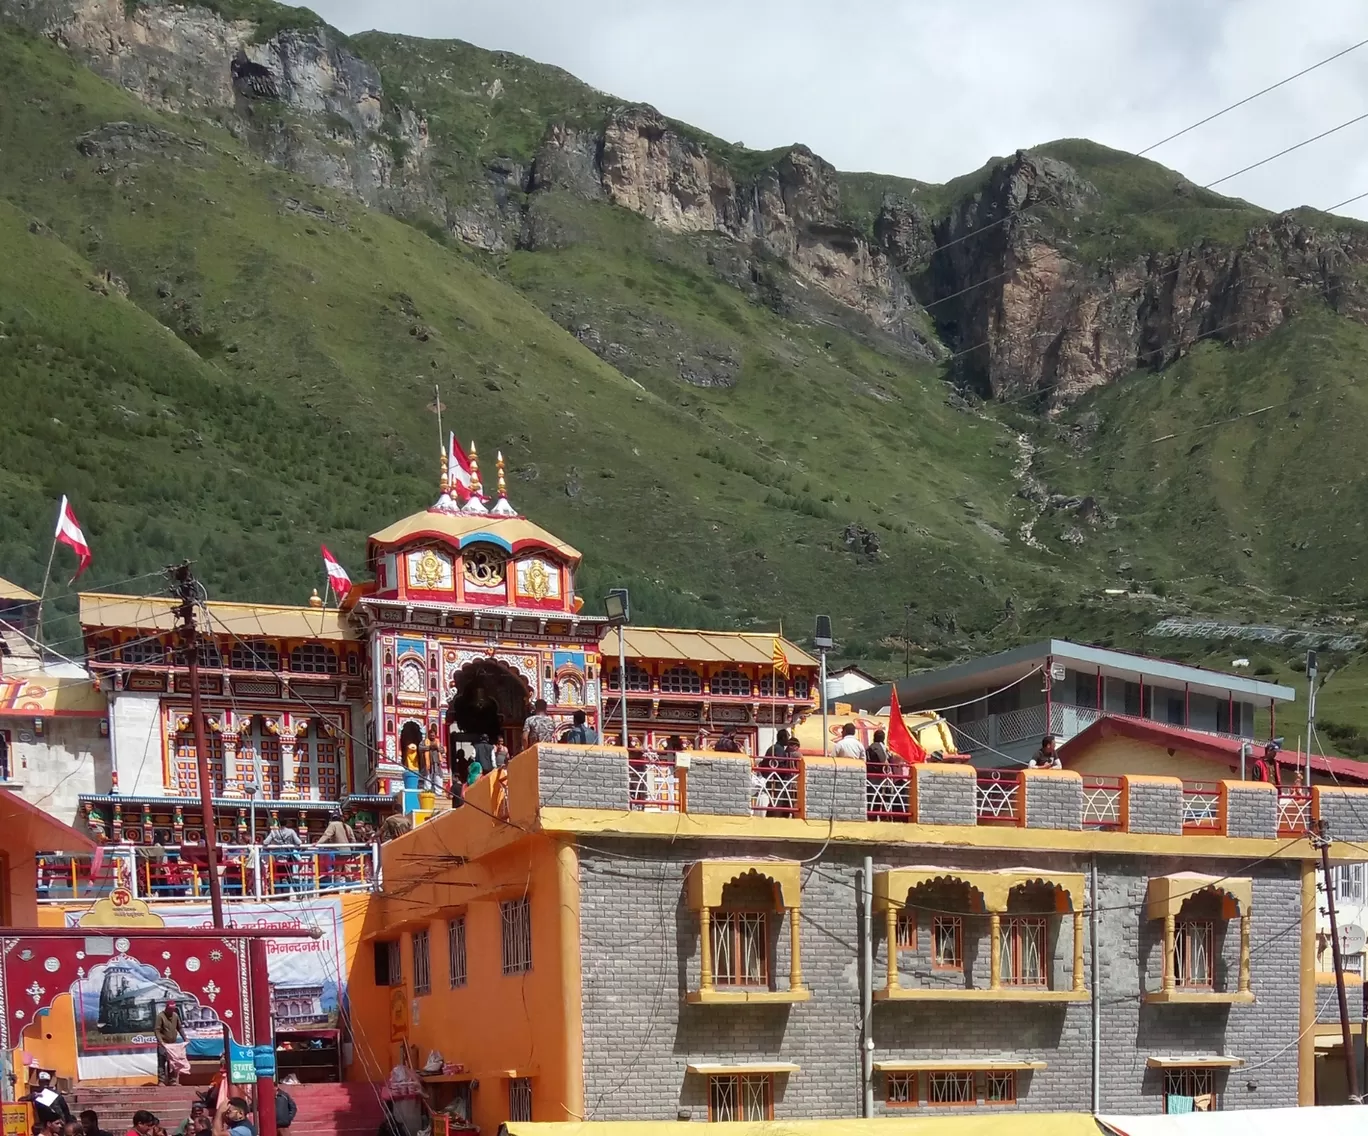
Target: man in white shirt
[[849, 745]]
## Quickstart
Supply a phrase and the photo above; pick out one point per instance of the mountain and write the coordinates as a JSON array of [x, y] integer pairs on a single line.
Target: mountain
[[244, 248]]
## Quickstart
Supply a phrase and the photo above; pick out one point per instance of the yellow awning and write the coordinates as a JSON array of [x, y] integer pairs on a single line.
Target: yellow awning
[[244, 620], [1194, 1061], [47, 696], [12, 591], [963, 1123], [950, 1065], [687, 645], [707, 1070]]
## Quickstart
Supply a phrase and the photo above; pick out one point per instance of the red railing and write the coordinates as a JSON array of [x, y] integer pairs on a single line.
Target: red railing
[[1294, 811], [998, 798], [777, 786], [653, 783], [888, 794], [1202, 807], [1104, 801]]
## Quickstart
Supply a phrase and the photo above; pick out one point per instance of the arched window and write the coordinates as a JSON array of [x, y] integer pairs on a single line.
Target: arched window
[[187, 773], [313, 658], [731, 682], [681, 680], [143, 652], [255, 656], [411, 677], [637, 678]]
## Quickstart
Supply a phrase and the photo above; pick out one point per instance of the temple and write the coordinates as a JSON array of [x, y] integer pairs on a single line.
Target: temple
[[470, 617]]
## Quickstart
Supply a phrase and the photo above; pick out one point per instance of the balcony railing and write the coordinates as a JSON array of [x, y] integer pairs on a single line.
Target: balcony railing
[[246, 871], [777, 786], [1294, 811], [888, 794], [653, 783], [1201, 807], [1103, 801], [998, 798]]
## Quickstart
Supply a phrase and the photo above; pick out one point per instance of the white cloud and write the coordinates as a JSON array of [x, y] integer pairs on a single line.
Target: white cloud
[[933, 88]]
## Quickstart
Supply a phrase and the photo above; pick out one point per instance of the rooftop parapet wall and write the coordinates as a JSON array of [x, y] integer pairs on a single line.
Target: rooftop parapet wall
[[830, 789]]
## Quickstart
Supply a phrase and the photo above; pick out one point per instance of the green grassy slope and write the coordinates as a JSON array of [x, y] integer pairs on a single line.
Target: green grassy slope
[[299, 415]]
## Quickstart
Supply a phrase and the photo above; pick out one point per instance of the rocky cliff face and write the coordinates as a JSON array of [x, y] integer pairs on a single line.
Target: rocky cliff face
[[301, 99], [1031, 317]]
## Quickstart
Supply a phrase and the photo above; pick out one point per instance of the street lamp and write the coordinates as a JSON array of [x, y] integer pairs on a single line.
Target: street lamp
[[822, 640], [618, 606]]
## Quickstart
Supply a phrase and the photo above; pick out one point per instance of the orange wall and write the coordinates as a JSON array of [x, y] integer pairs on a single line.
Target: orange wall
[[18, 871], [496, 1025]]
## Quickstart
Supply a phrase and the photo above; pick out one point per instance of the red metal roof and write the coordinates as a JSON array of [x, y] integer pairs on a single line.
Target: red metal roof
[[1210, 746], [46, 832]]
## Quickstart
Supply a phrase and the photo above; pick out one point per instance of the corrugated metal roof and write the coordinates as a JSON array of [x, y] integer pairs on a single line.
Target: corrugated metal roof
[[701, 646], [461, 529], [157, 613], [12, 591]]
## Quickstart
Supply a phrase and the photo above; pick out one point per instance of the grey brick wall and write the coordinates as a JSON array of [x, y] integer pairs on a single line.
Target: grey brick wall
[[1156, 807], [1053, 801], [582, 778], [719, 786], [640, 954], [835, 791], [1251, 812], [945, 796], [1345, 813]]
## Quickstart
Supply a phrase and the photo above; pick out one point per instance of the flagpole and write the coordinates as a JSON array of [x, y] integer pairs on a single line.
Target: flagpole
[[52, 553]]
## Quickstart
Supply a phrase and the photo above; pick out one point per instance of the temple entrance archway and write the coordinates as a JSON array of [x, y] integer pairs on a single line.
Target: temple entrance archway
[[490, 699]]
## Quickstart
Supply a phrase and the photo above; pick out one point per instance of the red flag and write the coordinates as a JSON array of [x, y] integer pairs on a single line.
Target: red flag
[[900, 739], [69, 533], [337, 575]]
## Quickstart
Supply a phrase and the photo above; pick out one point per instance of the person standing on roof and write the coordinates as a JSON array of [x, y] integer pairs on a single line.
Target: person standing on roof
[[1046, 757]]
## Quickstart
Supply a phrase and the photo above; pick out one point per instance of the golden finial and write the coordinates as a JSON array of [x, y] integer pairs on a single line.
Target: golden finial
[[315, 600], [503, 488], [476, 489], [446, 481]]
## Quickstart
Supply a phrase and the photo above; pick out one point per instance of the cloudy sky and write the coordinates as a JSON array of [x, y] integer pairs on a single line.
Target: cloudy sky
[[933, 88]]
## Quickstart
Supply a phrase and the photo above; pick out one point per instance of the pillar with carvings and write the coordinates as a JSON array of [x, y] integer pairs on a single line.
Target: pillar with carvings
[[232, 782], [289, 781]]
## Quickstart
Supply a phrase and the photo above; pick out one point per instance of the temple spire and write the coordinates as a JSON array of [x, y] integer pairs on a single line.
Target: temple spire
[[476, 503], [502, 507], [445, 502]]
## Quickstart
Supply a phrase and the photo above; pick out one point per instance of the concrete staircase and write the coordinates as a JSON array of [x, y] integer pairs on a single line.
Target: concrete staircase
[[348, 1109]]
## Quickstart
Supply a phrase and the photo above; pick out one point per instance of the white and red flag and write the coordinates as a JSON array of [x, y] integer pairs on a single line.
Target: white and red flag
[[459, 474], [338, 579], [69, 533]]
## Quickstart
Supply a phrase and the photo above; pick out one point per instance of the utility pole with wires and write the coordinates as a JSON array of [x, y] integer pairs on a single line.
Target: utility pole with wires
[[1310, 710], [1321, 839], [187, 588]]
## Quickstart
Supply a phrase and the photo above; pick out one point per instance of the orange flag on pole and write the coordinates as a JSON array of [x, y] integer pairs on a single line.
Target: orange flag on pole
[[900, 739]]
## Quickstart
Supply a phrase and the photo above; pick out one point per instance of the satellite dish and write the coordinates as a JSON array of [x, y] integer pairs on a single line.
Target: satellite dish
[[1351, 939]]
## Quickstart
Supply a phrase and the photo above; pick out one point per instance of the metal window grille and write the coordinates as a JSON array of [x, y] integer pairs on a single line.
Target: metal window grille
[[900, 1088], [907, 931], [1353, 964], [144, 651], [999, 1087], [456, 952], [681, 680], [773, 686], [1194, 949], [950, 1088], [733, 1098], [1196, 1085], [396, 964], [1023, 951], [740, 948], [947, 942], [256, 656], [209, 656], [802, 687], [1349, 883], [520, 1099], [731, 682], [313, 658], [422, 959], [638, 678], [517, 936]]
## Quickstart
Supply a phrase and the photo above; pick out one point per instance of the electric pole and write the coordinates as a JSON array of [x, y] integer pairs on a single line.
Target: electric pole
[[1321, 840], [187, 589]]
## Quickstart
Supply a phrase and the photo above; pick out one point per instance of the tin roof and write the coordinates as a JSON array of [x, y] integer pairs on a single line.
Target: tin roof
[[668, 643], [461, 529], [157, 613], [12, 591]]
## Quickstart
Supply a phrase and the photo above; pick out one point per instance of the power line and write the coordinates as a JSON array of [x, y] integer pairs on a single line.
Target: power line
[[1288, 150]]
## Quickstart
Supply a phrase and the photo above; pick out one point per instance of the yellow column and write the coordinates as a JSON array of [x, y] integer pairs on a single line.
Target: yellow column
[[1170, 936], [995, 945], [1306, 1049], [891, 931], [1078, 951], [796, 963], [705, 949], [1244, 953], [571, 1008]]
